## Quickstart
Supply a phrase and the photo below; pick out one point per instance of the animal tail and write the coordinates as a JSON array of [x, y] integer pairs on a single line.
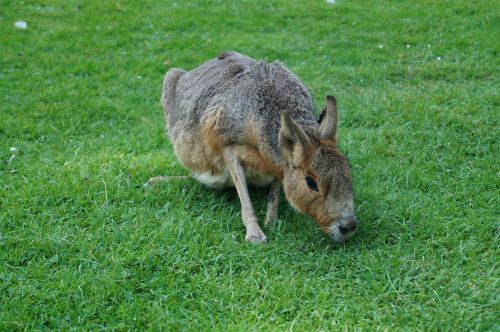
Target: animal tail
[[168, 90]]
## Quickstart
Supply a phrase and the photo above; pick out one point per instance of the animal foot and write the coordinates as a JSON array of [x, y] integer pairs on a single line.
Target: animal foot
[[158, 179], [256, 237], [270, 219], [151, 182]]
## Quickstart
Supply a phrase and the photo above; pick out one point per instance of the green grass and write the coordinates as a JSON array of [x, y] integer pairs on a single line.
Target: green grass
[[82, 246]]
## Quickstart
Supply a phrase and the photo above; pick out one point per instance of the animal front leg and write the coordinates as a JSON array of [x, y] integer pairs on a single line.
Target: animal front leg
[[273, 199], [254, 233]]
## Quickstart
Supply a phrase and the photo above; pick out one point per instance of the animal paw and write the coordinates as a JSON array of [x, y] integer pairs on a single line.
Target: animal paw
[[270, 220], [256, 237], [151, 182]]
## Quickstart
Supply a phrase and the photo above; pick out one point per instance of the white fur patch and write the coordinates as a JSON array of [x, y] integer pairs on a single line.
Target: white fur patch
[[216, 181], [224, 180]]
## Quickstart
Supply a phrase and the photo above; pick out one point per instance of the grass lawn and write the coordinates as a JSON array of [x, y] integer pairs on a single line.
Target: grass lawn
[[83, 246]]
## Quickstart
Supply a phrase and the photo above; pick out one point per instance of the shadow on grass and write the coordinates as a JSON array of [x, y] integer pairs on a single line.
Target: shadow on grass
[[291, 227]]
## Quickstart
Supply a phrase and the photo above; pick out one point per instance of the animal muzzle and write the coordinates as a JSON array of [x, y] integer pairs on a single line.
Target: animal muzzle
[[345, 228]]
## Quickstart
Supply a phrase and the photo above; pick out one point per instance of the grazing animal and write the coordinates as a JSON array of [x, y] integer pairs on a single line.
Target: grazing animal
[[235, 120]]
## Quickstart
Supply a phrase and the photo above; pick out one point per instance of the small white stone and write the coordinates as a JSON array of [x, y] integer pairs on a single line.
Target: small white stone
[[139, 77], [330, 2], [407, 45], [438, 58], [380, 46], [13, 149], [21, 25], [428, 45]]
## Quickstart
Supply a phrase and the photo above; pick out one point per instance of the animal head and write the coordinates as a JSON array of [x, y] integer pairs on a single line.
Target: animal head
[[317, 180]]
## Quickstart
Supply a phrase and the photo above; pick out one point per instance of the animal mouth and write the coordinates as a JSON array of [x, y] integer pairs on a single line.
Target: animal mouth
[[348, 228], [344, 230]]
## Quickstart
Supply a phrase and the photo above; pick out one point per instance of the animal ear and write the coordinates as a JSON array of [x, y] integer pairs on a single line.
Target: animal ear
[[293, 140], [328, 120]]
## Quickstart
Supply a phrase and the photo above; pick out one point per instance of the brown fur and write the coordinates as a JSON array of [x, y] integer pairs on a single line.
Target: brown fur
[[235, 120]]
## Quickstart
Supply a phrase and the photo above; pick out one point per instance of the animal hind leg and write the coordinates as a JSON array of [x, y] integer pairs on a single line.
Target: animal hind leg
[[254, 233], [159, 179]]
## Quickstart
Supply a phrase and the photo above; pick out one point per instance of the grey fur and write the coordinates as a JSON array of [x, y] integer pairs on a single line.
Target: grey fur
[[249, 91], [235, 120]]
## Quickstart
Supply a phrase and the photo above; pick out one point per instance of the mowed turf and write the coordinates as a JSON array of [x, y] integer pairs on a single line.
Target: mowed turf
[[83, 246]]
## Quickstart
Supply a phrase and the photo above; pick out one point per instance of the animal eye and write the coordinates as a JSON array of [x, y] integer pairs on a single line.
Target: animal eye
[[311, 183]]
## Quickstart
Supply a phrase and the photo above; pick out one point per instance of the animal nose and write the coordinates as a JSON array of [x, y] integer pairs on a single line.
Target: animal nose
[[349, 225]]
